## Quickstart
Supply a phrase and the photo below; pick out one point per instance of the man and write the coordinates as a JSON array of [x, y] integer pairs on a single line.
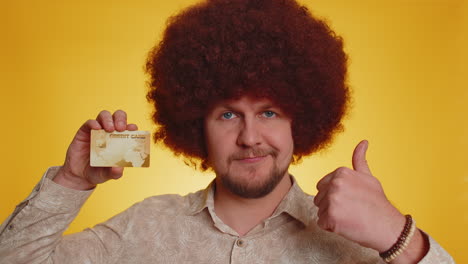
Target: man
[[243, 88]]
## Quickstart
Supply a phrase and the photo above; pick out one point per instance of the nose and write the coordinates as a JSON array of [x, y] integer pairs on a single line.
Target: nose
[[249, 133]]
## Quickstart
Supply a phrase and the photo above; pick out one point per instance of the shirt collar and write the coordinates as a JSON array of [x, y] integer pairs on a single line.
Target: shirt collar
[[296, 203], [201, 200]]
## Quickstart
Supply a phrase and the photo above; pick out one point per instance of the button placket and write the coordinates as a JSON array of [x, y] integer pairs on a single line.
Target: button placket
[[238, 251]]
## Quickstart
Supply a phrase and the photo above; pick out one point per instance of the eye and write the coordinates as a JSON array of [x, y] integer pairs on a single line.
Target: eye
[[228, 115], [269, 114]]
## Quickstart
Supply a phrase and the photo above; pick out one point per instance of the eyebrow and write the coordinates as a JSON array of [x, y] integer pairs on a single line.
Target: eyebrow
[[269, 105]]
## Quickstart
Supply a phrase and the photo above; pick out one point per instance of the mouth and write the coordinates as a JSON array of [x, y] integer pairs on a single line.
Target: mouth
[[251, 159]]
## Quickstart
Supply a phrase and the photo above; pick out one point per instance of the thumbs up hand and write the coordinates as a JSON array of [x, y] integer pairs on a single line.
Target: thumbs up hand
[[353, 204]]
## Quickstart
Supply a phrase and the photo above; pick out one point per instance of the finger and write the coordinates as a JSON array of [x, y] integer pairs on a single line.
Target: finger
[[105, 120], [89, 125], [359, 158], [323, 222], [116, 172], [132, 127], [323, 183], [319, 197], [321, 212], [120, 120], [84, 132]]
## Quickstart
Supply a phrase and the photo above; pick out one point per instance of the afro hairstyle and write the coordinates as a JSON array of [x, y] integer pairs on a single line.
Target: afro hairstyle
[[224, 49]]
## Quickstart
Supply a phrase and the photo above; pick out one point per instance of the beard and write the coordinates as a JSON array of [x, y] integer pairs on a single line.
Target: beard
[[252, 190]]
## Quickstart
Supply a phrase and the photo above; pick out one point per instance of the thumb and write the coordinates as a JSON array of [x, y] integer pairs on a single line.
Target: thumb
[[359, 158]]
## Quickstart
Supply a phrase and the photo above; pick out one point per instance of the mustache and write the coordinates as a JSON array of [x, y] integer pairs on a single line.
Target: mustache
[[253, 152]]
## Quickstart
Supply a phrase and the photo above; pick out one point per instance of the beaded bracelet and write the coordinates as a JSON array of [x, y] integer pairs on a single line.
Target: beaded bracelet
[[402, 242]]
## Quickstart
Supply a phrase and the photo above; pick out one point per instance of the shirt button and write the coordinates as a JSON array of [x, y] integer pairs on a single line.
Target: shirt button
[[240, 243]]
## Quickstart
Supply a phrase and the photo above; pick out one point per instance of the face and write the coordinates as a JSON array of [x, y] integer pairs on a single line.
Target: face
[[250, 145]]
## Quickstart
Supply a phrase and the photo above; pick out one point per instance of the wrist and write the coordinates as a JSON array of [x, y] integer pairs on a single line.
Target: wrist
[[391, 230], [410, 246], [416, 250], [68, 180]]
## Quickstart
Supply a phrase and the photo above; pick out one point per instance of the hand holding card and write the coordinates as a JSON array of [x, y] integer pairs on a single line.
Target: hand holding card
[[77, 172]]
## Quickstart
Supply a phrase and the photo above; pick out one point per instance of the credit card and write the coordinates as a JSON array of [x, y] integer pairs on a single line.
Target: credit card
[[120, 149]]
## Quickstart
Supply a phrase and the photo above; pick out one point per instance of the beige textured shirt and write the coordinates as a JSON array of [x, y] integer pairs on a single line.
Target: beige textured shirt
[[174, 229]]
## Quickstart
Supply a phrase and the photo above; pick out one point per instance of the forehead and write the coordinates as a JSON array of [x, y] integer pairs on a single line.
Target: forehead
[[245, 102]]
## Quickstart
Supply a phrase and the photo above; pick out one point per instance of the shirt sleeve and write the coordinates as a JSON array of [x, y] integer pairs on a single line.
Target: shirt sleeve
[[33, 231], [436, 254]]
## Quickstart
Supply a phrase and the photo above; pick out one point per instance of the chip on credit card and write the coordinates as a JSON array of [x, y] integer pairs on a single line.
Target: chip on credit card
[[120, 149]]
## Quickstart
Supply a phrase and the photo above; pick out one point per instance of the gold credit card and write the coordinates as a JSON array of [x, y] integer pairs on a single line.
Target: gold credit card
[[120, 149]]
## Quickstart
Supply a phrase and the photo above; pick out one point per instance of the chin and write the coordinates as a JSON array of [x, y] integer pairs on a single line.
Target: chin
[[252, 183]]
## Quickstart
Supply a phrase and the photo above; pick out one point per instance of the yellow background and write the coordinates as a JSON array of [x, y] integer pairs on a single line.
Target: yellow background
[[63, 61]]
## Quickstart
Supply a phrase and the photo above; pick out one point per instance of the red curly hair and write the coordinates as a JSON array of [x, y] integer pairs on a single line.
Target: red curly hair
[[223, 49]]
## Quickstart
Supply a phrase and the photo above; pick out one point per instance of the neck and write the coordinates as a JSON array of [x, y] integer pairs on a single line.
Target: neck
[[243, 214]]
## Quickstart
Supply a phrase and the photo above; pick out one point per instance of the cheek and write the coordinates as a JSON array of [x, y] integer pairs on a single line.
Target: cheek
[[283, 142], [282, 137], [217, 143], [288, 143]]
